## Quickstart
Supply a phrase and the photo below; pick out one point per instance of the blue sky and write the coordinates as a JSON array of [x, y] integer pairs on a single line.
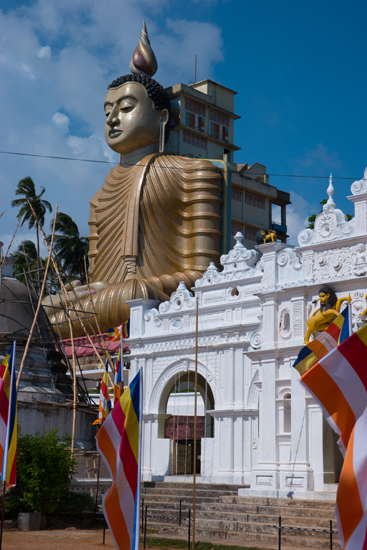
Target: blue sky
[[299, 69]]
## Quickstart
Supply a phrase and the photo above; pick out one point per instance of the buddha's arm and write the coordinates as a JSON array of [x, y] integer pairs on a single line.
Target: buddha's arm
[[93, 234], [169, 283]]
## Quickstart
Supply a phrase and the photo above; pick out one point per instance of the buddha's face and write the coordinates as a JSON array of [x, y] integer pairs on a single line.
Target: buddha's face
[[323, 298], [132, 121]]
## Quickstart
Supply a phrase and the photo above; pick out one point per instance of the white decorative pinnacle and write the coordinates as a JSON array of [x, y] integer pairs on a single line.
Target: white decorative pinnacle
[[238, 238], [330, 192]]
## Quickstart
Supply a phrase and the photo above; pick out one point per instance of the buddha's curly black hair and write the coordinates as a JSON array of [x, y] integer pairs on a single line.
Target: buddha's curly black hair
[[155, 92], [326, 289]]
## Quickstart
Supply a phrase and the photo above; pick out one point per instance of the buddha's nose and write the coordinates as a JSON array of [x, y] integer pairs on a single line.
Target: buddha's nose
[[112, 119]]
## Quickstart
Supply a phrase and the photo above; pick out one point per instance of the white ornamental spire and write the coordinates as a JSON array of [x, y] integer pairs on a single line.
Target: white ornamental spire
[[330, 205]]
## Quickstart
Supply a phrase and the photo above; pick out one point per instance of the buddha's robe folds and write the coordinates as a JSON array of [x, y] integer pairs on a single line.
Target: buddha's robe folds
[[152, 225]]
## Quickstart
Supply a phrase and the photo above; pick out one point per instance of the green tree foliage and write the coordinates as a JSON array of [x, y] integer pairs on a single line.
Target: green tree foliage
[[25, 251], [26, 260], [70, 246], [44, 468], [26, 189], [311, 219]]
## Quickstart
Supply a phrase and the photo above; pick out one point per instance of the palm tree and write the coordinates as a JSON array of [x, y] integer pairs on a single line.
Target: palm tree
[[70, 247], [25, 251], [27, 188]]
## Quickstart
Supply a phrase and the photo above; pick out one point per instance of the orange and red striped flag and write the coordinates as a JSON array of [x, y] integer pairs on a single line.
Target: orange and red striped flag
[[104, 398], [119, 443], [8, 419], [338, 382]]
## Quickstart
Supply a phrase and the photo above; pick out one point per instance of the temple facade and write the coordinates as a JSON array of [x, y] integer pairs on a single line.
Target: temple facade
[[258, 425]]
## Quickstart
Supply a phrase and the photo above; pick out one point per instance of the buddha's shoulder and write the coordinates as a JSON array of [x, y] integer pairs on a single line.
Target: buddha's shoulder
[[186, 164]]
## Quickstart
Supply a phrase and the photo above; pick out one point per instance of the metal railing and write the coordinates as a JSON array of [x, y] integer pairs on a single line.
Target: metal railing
[[180, 519], [281, 527]]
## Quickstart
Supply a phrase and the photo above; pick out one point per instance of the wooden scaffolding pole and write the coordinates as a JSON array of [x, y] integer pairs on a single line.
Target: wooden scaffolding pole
[[74, 386], [38, 305], [65, 293]]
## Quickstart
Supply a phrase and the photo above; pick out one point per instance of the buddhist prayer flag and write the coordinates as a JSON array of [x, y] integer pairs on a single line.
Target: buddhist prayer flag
[[337, 332], [118, 382], [8, 419], [112, 333], [104, 398], [338, 382], [119, 443], [119, 332]]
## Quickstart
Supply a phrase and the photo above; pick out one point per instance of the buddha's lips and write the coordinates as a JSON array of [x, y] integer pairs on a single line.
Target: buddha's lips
[[114, 133]]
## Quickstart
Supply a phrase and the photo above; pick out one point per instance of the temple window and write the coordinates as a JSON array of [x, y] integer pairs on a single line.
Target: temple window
[[287, 413]]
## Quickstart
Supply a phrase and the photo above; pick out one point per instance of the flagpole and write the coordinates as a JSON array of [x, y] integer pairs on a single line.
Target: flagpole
[[2, 516], [138, 492], [97, 489], [195, 421]]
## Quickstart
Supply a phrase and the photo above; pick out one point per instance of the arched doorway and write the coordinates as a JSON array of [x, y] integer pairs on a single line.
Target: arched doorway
[[176, 417]]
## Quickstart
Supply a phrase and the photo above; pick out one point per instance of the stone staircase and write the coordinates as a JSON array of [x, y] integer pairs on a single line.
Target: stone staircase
[[222, 514]]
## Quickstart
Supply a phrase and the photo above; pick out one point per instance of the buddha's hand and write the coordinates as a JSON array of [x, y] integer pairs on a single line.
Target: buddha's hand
[[77, 291]]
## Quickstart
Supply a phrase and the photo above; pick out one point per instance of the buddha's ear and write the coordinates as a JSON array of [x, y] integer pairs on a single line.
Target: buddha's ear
[[164, 116], [162, 125]]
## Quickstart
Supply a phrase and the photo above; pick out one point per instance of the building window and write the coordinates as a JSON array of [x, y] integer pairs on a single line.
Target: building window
[[195, 122], [219, 124], [193, 139], [235, 227], [218, 131], [255, 200], [250, 233], [236, 193]]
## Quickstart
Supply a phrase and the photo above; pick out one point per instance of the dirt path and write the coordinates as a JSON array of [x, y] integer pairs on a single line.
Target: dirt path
[[80, 539], [56, 540]]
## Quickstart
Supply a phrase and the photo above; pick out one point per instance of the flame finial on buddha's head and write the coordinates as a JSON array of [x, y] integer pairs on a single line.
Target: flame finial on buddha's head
[[143, 60]]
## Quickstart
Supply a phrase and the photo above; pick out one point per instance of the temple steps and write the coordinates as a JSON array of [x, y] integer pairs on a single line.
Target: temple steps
[[245, 519]]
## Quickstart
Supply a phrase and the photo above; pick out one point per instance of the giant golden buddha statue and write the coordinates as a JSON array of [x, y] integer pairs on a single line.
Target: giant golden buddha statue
[[156, 220]]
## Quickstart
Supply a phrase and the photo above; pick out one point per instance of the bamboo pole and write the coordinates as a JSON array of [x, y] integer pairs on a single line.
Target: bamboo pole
[[74, 386], [38, 305], [94, 311], [7, 252], [195, 422], [67, 297]]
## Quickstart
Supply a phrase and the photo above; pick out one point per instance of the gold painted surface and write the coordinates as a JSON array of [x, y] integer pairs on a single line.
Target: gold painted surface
[[152, 225], [329, 308], [271, 237]]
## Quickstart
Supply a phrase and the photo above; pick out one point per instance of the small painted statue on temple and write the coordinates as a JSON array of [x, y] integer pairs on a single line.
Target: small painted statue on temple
[[329, 308]]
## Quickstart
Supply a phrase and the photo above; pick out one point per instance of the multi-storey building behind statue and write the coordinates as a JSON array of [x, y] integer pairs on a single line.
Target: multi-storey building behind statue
[[203, 120]]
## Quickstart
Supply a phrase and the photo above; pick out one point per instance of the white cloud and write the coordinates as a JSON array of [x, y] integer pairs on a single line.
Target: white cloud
[[51, 96], [319, 160], [297, 214], [44, 53], [60, 120]]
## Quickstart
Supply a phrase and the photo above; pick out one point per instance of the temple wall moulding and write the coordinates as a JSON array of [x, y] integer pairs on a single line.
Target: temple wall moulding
[[359, 187]]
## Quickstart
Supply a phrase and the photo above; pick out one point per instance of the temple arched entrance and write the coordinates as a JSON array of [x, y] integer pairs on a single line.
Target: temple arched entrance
[[174, 397]]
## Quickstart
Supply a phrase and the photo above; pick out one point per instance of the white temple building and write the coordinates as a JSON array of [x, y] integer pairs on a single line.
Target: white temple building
[[261, 428]]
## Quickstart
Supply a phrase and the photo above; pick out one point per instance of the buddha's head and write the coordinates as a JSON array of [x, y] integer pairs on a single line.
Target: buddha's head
[[137, 107]]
